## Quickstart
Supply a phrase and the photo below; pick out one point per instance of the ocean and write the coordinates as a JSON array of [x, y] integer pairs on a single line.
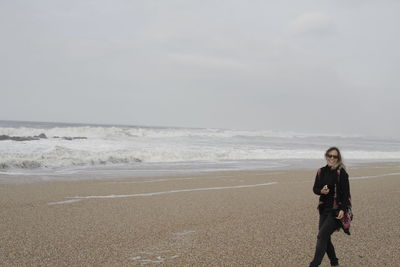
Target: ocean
[[37, 151]]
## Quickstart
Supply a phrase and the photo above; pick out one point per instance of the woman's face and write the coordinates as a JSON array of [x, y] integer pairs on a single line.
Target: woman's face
[[332, 157]]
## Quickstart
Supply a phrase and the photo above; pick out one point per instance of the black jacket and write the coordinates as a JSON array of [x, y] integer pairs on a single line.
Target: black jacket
[[326, 175]]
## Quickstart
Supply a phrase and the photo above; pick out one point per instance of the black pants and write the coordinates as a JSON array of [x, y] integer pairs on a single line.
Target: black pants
[[327, 225]]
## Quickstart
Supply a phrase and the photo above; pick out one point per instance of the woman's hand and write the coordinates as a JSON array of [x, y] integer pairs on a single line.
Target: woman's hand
[[325, 190], [340, 215]]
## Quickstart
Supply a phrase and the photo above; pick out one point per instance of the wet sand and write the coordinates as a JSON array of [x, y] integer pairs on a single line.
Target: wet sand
[[249, 218]]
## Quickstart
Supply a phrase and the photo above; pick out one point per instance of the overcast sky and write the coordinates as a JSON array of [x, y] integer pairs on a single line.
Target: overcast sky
[[308, 66]]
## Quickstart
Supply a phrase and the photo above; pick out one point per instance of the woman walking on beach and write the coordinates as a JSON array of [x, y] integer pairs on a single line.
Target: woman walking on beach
[[330, 181]]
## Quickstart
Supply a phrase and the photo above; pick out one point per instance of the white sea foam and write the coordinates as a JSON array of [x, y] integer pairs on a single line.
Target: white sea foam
[[135, 146], [359, 177], [155, 132], [62, 153], [172, 191], [64, 202], [374, 176]]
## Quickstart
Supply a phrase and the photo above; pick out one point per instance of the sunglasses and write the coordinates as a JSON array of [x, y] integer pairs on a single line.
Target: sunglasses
[[332, 156]]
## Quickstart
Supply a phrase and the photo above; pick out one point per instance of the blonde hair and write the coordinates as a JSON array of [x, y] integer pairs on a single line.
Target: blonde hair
[[339, 164]]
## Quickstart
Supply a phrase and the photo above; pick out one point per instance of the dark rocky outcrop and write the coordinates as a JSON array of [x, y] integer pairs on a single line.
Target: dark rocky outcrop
[[70, 138], [23, 138], [36, 137], [73, 138], [42, 135]]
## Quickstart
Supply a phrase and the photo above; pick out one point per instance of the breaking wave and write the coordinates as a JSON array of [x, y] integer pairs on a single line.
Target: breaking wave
[[58, 146]]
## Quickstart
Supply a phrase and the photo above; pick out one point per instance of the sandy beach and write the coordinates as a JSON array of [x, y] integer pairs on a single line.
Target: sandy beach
[[242, 218]]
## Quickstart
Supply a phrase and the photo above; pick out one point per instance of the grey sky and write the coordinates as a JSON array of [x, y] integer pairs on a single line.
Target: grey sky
[[309, 66]]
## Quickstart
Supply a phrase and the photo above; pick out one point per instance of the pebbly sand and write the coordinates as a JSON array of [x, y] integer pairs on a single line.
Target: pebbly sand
[[251, 218]]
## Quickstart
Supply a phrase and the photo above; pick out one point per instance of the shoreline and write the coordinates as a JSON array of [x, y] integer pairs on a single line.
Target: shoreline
[[231, 218], [115, 172]]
